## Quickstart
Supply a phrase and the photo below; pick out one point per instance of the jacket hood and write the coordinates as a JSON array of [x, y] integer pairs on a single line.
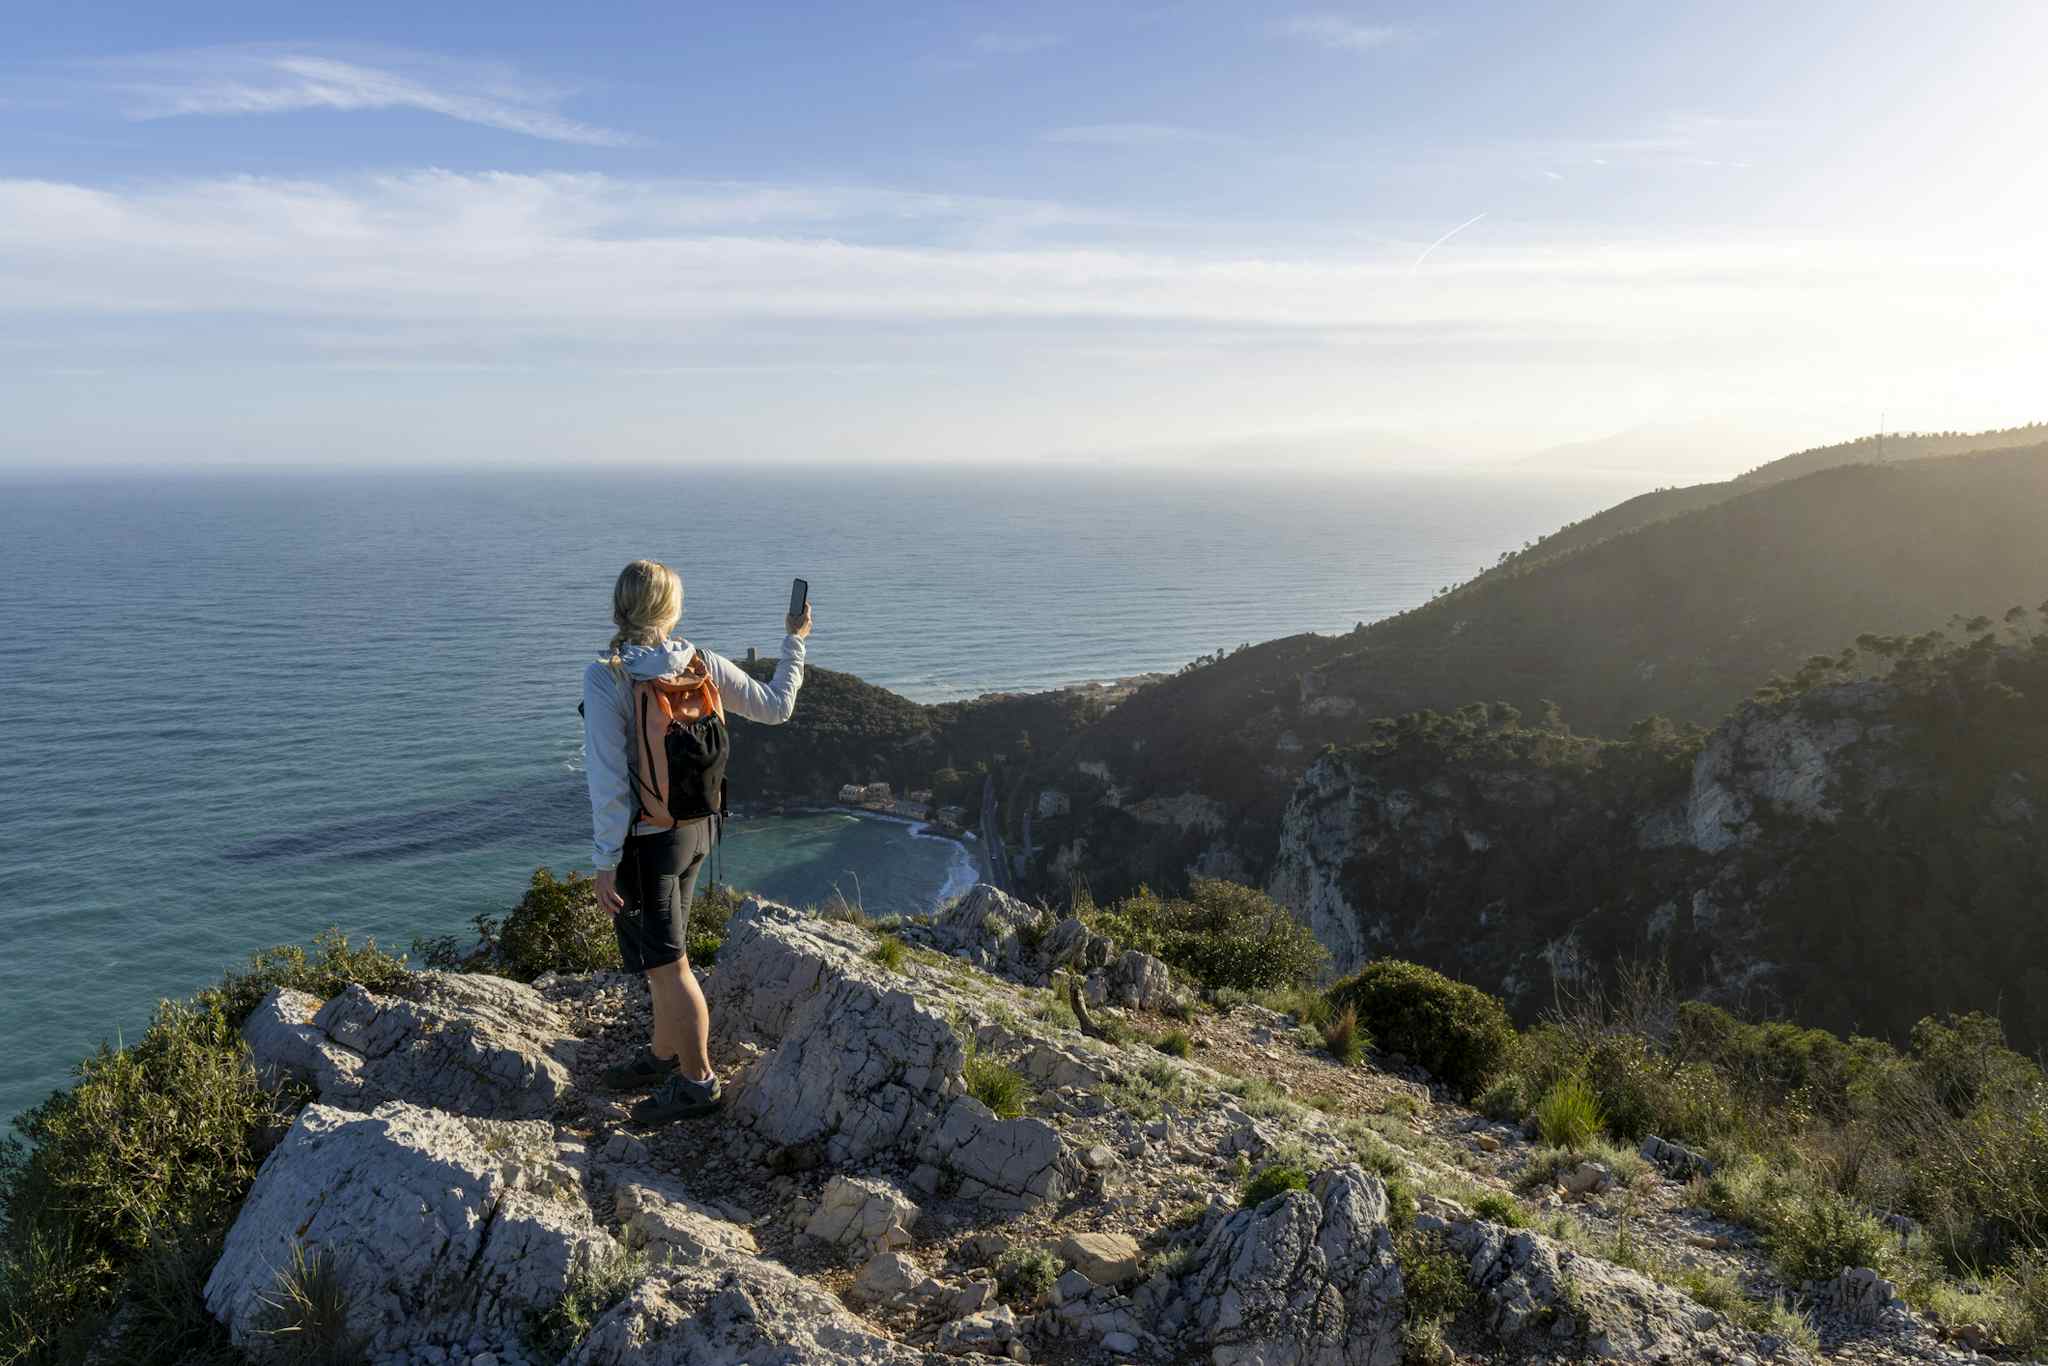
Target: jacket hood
[[656, 661]]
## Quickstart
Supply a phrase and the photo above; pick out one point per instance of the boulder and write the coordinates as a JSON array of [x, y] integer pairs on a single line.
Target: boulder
[[657, 1217], [1104, 1258], [1675, 1159], [1588, 1178], [1307, 1277], [887, 1276], [740, 1310], [991, 1332], [864, 1213], [1535, 1291], [464, 1043], [1004, 1165], [284, 1043], [992, 930], [1134, 980], [1858, 1295], [854, 1062], [437, 1226]]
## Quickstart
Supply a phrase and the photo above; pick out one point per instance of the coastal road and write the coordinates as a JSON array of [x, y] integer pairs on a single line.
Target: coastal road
[[995, 859]]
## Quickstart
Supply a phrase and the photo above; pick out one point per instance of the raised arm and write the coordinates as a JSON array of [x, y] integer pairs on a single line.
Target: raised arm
[[773, 702]]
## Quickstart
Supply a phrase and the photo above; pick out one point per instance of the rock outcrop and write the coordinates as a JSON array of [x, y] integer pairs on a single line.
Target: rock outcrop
[[429, 1226], [1307, 1277], [854, 1203]]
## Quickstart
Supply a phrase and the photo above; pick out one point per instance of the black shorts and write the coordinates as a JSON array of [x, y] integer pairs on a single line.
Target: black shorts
[[657, 879]]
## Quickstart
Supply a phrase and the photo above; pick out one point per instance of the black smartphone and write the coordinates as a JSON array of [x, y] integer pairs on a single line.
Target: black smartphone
[[799, 597]]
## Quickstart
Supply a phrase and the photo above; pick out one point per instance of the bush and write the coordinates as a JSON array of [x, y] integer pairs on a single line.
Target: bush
[[1271, 1180], [1496, 1208], [1506, 1101], [890, 951], [1568, 1116], [1345, 1040], [1175, 1043], [1813, 1238], [1025, 1275], [996, 1086], [1433, 1277], [593, 1288], [1222, 934], [153, 1144], [1458, 1032], [708, 916], [557, 927], [331, 965]]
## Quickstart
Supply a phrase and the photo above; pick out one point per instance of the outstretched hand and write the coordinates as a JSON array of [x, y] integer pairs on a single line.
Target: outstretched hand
[[800, 625]]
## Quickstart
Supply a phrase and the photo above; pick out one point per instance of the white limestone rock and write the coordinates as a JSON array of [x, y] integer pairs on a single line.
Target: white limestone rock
[[465, 1043], [854, 1061], [284, 1043], [658, 1217], [863, 1212], [1003, 1164], [742, 1310], [1306, 1277], [441, 1227]]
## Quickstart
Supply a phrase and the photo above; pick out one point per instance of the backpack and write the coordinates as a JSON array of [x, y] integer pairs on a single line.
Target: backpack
[[678, 747]]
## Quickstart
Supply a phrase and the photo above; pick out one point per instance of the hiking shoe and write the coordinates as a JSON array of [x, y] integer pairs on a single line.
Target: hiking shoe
[[679, 1098], [640, 1072]]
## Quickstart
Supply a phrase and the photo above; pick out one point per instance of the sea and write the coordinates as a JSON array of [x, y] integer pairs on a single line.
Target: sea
[[236, 709]]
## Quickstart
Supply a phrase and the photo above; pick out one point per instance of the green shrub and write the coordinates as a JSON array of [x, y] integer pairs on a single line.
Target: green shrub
[[331, 965], [709, 912], [996, 1086], [1813, 1238], [1458, 1032], [890, 951], [1344, 1039], [557, 927], [164, 1317], [1222, 934], [153, 1144], [1433, 1277], [1501, 1209], [593, 1288], [304, 1317], [1506, 1101], [1569, 1116], [1175, 1043], [1273, 1179], [1025, 1275], [1401, 1206]]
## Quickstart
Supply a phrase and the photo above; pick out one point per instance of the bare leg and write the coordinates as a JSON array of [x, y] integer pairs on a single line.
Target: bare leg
[[682, 1022]]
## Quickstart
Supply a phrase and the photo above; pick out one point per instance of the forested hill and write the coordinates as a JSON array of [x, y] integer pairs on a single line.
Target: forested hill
[[1661, 504], [1683, 617]]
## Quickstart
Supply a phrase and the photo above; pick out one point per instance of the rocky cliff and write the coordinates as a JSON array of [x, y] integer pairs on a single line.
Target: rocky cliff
[[458, 1191], [1860, 852], [1681, 616]]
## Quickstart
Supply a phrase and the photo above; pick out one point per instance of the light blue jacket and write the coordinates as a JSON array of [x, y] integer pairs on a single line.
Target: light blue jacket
[[608, 721]]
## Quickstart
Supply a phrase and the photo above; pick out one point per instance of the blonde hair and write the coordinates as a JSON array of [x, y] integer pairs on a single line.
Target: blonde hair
[[647, 602]]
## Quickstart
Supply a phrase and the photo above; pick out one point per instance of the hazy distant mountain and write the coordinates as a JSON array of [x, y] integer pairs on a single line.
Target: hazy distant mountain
[[1670, 453]]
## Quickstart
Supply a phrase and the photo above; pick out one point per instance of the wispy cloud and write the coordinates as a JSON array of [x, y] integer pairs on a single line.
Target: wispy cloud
[[1339, 32], [231, 81], [1135, 135]]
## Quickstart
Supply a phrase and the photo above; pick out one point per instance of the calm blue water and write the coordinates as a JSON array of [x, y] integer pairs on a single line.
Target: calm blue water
[[235, 710]]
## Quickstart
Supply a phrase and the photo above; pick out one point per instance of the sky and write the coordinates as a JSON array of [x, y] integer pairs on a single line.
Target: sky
[[519, 233]]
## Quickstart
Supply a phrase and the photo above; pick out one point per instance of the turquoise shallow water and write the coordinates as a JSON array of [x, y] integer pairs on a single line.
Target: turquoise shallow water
[[236, 710]]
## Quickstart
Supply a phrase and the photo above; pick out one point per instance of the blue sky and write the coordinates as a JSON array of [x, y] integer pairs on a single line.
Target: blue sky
[[235, 234]]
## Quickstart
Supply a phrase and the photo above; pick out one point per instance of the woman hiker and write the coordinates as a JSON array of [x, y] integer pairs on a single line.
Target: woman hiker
[[647, 860]]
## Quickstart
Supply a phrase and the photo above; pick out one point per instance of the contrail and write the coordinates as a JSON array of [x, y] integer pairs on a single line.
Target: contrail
[[1441, 240]]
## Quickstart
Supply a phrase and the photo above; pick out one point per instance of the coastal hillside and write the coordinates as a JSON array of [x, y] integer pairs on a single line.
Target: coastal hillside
[[998, 1134], [1854, 853], [1682, 618], [1656, 506], [847, 730]]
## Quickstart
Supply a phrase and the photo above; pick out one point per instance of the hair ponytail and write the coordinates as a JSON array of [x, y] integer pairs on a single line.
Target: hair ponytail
[[647, 602]]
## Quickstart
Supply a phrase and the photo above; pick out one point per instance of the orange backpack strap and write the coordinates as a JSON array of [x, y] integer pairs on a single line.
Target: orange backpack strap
[[649, 752]]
